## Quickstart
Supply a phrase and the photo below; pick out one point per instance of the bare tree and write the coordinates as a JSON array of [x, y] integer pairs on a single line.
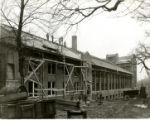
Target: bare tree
[[143, 49], [143, 55], [48, 14], [21, 5]]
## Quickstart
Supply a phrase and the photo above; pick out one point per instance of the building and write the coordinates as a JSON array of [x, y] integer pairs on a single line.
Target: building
[[126, 62], [52, 69]]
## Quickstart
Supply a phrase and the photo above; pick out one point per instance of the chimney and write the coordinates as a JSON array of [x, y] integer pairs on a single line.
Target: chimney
[[74, 43], [112, 57], [52, 37], [61, 41], [47, 36], [65, 44]]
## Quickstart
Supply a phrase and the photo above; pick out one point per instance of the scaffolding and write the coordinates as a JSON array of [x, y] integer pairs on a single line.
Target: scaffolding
[[35, 64]]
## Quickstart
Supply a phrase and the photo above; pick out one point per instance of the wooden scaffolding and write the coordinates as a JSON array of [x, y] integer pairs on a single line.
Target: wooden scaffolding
[[36, 64]]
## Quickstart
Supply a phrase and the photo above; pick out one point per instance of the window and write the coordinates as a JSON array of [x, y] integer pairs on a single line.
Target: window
[[97, 81], [76, 71], [76, 85], [32, 86], [10, 71], [51, 68], [51, 85], [66, 72]]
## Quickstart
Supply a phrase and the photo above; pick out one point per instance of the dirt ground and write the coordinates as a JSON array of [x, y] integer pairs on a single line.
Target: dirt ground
[[113, 109]]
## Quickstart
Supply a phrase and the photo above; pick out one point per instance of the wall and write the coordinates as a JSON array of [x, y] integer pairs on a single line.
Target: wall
[[2, 67], [110, 84], [9, 66], [132, 67]]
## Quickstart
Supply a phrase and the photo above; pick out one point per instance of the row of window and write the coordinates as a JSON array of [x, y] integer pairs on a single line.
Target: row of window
[[33, 86], [107, 82], [52, 69]]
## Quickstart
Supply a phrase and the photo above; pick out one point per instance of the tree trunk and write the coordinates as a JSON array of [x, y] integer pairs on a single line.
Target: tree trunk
[[19, 43]]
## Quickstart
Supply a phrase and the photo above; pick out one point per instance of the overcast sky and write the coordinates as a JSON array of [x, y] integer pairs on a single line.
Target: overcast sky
[[104, 34]]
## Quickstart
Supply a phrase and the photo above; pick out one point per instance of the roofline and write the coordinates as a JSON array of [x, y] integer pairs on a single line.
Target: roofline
[[79, 52]]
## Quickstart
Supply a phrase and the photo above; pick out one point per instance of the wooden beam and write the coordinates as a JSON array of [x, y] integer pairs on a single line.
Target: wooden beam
[[28, 77], [33, 71], [81, 66], [50, 60], [69, 78]]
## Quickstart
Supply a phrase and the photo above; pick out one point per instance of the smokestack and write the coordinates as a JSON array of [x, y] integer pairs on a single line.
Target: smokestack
[[74, 43]]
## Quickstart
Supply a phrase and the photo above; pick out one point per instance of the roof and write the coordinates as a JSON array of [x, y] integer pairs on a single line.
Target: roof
[[106, 64], [124, 59], [34, 41], [46, 45], [112, 55]]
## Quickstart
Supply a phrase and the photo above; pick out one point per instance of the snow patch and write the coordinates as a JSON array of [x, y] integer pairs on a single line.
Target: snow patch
[[141, 105]]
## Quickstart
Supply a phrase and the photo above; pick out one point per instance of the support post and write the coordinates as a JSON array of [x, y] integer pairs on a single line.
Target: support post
[[32, 89], [108, 80], [100, 81], [104, 81], [114, 81]]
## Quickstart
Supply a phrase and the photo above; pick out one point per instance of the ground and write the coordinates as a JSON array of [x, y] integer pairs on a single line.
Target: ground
[[113, 109]]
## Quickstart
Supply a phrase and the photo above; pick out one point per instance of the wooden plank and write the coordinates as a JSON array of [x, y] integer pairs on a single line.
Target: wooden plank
[[81, 66], [54, 89], [50, 60]]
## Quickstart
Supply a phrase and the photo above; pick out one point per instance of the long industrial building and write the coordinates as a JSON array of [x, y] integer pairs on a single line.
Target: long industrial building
[[52, 69]]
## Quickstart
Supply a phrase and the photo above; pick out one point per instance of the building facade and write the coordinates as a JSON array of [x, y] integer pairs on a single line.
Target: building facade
[[52, 69], [126, 62]]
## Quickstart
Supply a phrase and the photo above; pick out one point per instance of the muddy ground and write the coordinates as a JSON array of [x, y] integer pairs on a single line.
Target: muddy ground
[[113, 109]]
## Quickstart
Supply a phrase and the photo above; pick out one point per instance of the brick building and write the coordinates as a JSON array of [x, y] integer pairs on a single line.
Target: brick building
[[52, 69]]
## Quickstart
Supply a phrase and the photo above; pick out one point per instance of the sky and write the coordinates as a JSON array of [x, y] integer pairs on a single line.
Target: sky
[[104, 34]]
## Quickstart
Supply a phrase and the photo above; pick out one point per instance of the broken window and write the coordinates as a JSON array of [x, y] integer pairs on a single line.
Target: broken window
[[10, 71], [52, 68]]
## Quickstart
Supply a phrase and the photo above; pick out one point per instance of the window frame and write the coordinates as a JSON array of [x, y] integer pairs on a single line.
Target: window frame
[[50, 69]]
